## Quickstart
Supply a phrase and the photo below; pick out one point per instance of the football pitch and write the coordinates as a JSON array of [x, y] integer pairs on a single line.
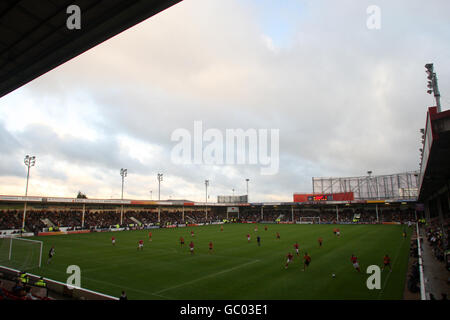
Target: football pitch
[[235, 269]]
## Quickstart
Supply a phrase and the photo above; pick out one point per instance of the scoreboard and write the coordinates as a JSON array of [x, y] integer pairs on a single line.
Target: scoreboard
[[321, 197], [232, 199]]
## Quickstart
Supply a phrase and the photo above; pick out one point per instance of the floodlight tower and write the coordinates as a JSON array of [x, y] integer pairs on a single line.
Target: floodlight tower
[[206, 205], [160, 178], [433, 84], [29, 161], [123, 173], [247, 180]]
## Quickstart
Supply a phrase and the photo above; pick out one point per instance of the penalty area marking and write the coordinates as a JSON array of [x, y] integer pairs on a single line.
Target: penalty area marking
[[112, 284], [205, 277]]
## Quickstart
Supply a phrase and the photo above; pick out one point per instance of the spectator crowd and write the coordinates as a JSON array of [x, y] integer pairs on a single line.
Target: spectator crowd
[[37, 220], [437, 237]]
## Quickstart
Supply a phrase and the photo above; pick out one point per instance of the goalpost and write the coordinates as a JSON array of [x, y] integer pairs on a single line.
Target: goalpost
[[309, 220], [20, 253]]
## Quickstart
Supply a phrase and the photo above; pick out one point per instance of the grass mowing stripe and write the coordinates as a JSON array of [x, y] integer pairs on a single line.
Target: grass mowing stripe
[[114, 285], [164, 264], [206, 277], [395, 259]]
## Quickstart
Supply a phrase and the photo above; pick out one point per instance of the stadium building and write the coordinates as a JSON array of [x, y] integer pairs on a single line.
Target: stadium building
[[44, 42], [346, 205]]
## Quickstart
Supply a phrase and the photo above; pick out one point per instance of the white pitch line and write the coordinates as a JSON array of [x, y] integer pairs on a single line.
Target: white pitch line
[[164, 297], [205, 277], [115, 285], [387, 278], [130, 261]]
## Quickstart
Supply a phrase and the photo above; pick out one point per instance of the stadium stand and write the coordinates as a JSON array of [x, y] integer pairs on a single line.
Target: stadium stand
[[101, 219], [15, 290], [10, 219], [437, 237]]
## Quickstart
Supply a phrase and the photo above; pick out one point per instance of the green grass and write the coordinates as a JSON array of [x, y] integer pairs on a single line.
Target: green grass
[[236, 269]]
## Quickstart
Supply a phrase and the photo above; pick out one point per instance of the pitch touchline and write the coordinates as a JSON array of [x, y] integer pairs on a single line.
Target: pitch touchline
[[205, 277]]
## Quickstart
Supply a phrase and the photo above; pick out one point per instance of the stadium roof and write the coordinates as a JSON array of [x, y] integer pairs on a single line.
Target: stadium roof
[[435, 167], [34, 37], [177, 203]]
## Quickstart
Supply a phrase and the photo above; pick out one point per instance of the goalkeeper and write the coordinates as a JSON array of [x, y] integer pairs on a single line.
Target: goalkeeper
[[51, 253]]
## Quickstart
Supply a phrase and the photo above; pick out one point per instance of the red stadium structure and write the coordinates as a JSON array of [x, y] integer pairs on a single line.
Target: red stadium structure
[[308, 197]]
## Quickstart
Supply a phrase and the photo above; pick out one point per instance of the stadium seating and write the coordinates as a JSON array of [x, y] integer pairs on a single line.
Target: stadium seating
[[437, 237], [100, 219], [6, 293]]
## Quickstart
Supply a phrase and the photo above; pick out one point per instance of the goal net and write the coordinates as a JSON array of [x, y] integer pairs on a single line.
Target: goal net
[[308, 220], [21, 254]]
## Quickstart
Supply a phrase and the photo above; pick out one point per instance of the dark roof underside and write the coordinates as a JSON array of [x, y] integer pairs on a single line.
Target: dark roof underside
[[34, 37]]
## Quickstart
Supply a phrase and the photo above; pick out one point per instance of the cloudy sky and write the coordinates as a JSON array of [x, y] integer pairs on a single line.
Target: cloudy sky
[[345, 98]]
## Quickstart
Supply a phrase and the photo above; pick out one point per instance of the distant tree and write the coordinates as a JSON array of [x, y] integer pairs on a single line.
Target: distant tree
[[81, 195]]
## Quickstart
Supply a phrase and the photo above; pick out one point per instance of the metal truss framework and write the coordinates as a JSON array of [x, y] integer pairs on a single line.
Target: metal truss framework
[[394, 186]]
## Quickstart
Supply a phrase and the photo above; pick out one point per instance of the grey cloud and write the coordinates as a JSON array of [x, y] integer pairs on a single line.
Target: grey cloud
[[346, 99], [11, 158]]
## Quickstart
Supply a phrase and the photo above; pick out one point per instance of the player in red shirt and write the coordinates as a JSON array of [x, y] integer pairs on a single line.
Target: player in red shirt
[[278, 236], [221, 228], [338, 232], [192, 233], [181, 241], [149, 236], [355, 262], [387, 263], [141, 245], [191, 246], [248, 237], [113, 241], [210, 246], [320, 241], [296, 248], [307, 261], [289, 259]]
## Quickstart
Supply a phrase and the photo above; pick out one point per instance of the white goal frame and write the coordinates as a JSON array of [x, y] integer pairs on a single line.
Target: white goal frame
[[11, 239], [309, 220]]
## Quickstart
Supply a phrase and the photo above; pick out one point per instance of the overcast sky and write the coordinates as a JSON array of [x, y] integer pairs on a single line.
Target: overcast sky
[[345, 98]]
